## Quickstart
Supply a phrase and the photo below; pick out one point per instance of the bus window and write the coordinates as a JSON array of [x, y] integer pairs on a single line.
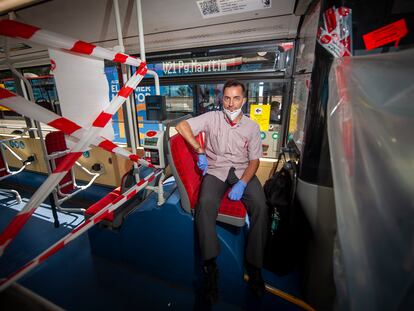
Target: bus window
[[179, 99], [271, 95], [179, 102], [208, 97], [7, 82], [44, 88]]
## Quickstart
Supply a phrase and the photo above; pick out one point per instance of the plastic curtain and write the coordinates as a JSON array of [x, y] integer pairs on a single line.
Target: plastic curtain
[[371, 138]]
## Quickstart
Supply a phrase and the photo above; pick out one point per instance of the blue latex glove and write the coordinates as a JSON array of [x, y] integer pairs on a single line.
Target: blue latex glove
[[202, 163], [236, 192]]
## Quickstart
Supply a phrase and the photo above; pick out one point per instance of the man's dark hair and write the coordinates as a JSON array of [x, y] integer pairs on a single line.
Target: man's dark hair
[[234, 83]]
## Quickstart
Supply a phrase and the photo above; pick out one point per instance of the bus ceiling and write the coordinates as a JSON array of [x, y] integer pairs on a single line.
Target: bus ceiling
[[168, 25]]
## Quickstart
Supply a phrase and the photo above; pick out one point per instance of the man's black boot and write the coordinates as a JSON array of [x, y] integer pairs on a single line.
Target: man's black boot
[[210, 282], [256, 283]]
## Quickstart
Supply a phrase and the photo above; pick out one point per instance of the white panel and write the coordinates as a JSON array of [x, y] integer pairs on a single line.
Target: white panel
[[82, 88]]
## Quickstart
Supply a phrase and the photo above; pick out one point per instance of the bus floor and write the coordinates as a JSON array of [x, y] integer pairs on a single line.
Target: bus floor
[[75, 278]]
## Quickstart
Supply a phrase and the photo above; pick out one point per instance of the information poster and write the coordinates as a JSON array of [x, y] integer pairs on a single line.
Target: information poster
[[118, 118], [261, 115]]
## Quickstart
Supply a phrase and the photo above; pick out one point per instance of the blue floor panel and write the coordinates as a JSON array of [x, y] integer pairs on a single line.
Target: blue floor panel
[[78, 278]]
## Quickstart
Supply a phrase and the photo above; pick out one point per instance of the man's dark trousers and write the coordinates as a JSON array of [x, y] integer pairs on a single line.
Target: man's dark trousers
[[211, 192]]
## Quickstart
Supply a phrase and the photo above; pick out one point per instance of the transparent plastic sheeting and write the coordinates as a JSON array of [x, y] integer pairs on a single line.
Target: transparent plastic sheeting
[[371, 138]]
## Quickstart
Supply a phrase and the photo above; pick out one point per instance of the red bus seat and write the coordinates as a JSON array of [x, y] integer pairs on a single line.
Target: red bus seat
[[3, 169], [183, 162], [96, 207], [55, 142]]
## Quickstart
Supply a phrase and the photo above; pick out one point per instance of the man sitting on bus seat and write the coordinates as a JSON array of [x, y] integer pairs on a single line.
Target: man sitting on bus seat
[[230, 159]]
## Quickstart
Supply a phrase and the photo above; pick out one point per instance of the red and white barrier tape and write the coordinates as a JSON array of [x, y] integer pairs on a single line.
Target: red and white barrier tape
[[51, 182], [78, 230], [51, 39], [70, 128]]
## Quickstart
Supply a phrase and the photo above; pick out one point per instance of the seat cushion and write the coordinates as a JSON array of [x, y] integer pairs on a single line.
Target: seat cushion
[[232, 208], [96, 207]]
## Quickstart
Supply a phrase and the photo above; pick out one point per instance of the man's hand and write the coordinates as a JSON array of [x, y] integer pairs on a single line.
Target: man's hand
[[202, 163], [236, 192]]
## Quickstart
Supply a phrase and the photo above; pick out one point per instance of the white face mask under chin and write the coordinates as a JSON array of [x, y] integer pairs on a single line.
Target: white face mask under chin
[[232, 115]]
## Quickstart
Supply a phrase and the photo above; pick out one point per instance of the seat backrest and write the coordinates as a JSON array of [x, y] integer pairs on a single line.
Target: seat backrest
[[3, 169], [183, 162], [55, 141]]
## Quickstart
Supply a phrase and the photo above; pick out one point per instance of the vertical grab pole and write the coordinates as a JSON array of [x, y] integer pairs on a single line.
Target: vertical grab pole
[[128, 103], [53, 196], [142, 46], [140, 31]]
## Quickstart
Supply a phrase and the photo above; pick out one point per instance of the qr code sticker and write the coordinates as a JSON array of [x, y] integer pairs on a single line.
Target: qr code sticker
[[208, 7]]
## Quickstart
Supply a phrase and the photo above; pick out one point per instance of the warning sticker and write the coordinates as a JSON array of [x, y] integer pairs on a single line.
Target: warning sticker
[[261, 115], [387, 34], [216, 8]]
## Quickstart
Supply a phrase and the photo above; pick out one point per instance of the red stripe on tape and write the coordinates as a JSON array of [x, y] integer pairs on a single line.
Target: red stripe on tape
[[142, 69], [15, 29], [151, 178], [118, 199], [80, 226], [120, 58], [130, 195], [5, 93], [51, 251], [125, 91], [14, 227], [67, 162], [83, 47], [107, 145], [100, 217], [134, 157], [102, 119], [141, 182], [65, 125]]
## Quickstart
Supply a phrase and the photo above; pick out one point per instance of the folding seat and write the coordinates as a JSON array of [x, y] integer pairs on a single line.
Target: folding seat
[[67, 188]]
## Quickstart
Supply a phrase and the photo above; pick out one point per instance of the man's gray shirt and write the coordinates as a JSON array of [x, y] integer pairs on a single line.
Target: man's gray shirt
[[226, 145]]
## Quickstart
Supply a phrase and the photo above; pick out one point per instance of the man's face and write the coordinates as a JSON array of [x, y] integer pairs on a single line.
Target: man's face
[[233, 98]]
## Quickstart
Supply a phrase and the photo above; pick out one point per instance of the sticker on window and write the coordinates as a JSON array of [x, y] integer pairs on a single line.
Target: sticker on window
[[216, 8]]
